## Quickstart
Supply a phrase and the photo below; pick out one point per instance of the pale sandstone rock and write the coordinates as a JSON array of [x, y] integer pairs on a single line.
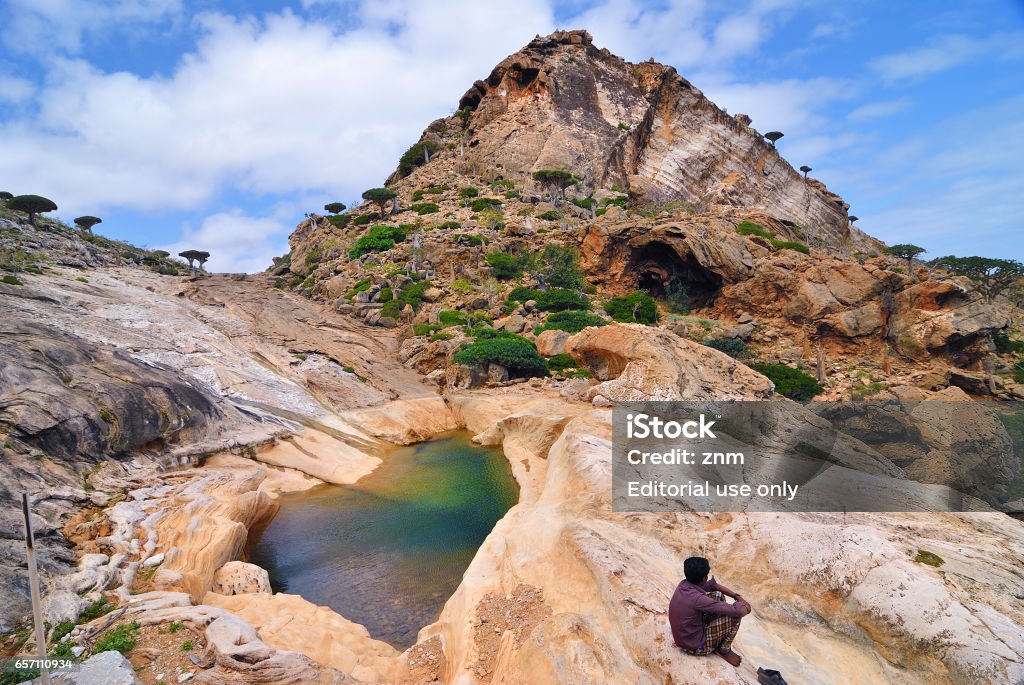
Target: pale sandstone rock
[[239, 578], [550, 343], [635, 362]]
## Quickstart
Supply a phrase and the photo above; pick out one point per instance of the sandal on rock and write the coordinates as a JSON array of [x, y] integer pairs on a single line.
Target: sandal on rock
[[767, 676]]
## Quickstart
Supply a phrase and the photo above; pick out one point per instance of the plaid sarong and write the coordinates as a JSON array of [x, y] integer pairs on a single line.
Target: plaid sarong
[[719, 631]]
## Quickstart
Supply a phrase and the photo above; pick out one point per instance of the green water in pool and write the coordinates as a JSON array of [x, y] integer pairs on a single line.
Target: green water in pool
[[388, 551]]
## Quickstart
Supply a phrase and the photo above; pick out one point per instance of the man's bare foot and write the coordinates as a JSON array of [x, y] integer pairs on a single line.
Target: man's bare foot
[[731, 656]]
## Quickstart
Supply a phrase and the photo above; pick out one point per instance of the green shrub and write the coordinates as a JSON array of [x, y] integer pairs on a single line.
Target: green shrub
[[411, 295], [512, 195], [561, 267], [425, 328], [62, 629], [789, 382], [633, 308], [363, 219], [452, 317], [385, 295], [186, 646], [505, 266], [550, 215], [516, 354], [677, 298], [414, 157], [449, 225], [585, 203], [11, 279], [601, 212], [522, 294], [571, 322], [791, 245], [339, 220], [122, 638], [100, 607], [561, 362], [750, 228], [360, 286], [468, 239], [861, 389], [422, 208], [462, 286], [503, 184], [493, 218], [482, 203], [1007, 345], [734, 347], [441, 336], [378, 238], [620, 201], [561, 299], [1018, 372], [429, 190], [468, 192]]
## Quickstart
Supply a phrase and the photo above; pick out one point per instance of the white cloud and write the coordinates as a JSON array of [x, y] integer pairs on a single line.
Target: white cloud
[[236, 241], [44, 27], [793, 106], [959, 179], [738, 34], [15, 90], [877, 110], [274, 106], [945, 52]]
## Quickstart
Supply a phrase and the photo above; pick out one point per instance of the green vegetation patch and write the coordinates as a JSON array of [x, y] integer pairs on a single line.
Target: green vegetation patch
[[378, 239], [505, 266], [422, 208], [517, 354], [791, 245], [571, 322], [789, 382], [633, 308], [482, 203], [750, 228], [122, 638], [411, 295], [929, 558], [734, 347]]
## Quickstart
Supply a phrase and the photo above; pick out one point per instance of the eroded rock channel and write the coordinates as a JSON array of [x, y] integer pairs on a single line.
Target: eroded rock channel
[[388, 551]]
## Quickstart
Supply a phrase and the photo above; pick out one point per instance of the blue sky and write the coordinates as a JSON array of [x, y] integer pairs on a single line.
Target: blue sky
[[216, 124]]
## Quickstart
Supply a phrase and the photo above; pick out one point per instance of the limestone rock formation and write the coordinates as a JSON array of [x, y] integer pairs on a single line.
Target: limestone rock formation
[[634, 363], [239, 578]]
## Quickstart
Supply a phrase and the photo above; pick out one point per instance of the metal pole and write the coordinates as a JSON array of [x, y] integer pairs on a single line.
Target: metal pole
[[33, 580]]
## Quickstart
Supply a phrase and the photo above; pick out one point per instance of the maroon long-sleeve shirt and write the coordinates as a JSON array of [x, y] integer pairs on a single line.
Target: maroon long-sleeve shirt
[[686, 612]]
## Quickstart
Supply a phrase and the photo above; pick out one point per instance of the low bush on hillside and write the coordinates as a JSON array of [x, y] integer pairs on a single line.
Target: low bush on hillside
[[364, 219], [789, 382], [505, 266], [633, 308], [1007, 345], [561, 362], [517, 354], [468, 192], [411, 294], [734, 347], [377, 239], [449, 225], [791, 245], [550, 300], [422, 208], [482, 203], [571, 322], [550, 216], [750, 228]]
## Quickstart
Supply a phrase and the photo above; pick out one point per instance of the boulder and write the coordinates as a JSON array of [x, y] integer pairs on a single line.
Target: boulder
[[496, 373], [863, 320], [635, 362], [239, 578], [105, 668], [550, 343]]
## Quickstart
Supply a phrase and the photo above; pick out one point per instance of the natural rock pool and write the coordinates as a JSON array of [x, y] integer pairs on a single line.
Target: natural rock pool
[[390, 550]]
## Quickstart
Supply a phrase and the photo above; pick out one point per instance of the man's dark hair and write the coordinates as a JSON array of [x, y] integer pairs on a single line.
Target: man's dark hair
[[696, 569]]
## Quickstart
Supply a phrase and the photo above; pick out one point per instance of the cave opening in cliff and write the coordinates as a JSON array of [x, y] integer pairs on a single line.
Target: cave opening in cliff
[[661, 271]]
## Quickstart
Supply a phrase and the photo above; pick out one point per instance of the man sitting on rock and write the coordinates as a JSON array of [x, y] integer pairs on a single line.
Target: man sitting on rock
[[702, 621]]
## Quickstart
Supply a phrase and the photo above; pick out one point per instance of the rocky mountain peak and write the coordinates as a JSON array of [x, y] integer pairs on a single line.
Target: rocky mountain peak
[[563, 103]]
